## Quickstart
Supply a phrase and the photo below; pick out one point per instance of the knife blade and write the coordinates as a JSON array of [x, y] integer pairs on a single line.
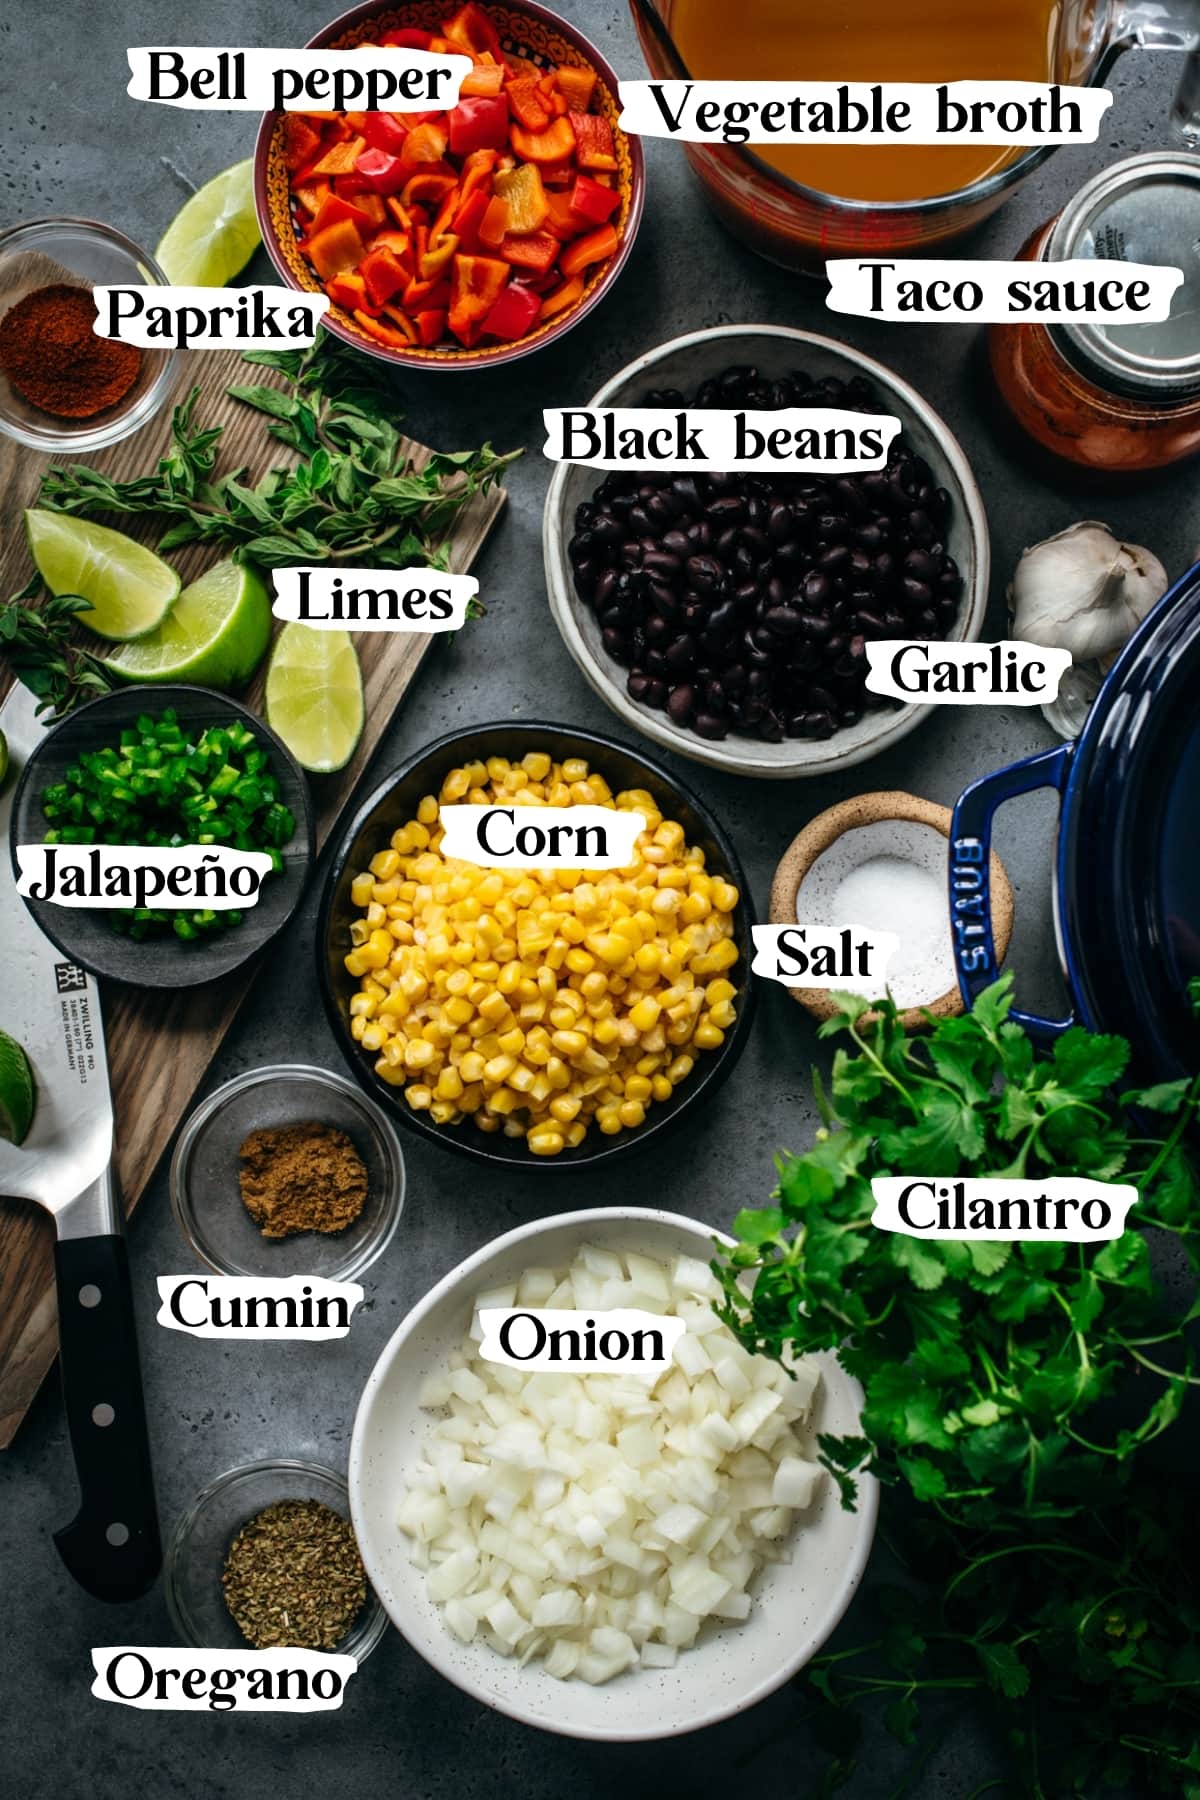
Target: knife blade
[[52, 1009]]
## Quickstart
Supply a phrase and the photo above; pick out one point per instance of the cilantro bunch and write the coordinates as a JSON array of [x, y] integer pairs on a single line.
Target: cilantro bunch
[[1081, 1647], [1011, 1394], [982, 1362]]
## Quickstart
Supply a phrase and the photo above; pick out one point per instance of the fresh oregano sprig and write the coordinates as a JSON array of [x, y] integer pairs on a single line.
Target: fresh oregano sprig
[[37, 640], [983, 1362], [355, 495]]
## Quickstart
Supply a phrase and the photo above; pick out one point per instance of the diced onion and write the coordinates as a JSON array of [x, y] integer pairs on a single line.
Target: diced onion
[[601, 1522]]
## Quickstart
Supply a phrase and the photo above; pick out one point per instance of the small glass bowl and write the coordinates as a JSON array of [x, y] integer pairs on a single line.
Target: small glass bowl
[[195, 1559], [207, 1199], [79, 252]]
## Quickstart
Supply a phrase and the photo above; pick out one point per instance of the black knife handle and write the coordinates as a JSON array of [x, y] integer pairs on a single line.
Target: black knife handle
[[111, 1546]]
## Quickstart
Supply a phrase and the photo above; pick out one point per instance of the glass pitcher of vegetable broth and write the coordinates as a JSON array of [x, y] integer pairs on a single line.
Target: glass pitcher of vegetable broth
[[801, 203]]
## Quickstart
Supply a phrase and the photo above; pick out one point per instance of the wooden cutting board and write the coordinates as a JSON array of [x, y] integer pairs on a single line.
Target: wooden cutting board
[[160, 1044]]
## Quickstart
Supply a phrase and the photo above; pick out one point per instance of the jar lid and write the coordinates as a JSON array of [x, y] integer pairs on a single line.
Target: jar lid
[[1143, 210]]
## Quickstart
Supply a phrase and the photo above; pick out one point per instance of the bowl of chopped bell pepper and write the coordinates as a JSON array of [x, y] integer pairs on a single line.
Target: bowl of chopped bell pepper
[[464, 237]]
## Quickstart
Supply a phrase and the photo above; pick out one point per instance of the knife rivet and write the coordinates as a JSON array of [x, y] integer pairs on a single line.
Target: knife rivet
[[103, 1414], [90, 1295], [117, 1535]]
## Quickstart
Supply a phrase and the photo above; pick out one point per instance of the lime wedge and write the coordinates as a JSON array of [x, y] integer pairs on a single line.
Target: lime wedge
[[315, 696], [215, 233], [128, 586], [16, 1090], [216, 633]]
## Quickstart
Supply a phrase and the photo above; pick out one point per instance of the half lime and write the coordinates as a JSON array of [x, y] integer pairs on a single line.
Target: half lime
[[17, 1094], [215, 233], [315, 696], [128, 587], [216, 633]]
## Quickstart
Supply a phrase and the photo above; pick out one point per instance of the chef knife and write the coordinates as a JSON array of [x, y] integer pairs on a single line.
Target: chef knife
[[52, 1009]]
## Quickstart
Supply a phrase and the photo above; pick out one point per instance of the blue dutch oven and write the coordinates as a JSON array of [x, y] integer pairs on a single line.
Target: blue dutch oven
[[1127, 859]]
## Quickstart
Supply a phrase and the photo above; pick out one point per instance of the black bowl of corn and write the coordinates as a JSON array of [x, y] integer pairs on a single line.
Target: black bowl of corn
[[162, 768], [544, 1018]]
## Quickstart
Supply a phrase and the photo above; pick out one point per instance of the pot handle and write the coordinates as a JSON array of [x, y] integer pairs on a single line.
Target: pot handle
[[975, 958]]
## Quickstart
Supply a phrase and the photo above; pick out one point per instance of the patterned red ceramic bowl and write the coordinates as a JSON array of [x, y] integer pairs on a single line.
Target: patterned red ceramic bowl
[[526, 30]]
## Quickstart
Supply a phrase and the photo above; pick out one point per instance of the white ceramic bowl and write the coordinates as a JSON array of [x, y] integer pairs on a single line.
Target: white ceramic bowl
[[684, 363], [796, 1604]]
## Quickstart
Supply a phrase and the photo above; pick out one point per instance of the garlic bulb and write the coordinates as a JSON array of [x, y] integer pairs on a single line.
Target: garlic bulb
[[1069, 709], [1084, 591]]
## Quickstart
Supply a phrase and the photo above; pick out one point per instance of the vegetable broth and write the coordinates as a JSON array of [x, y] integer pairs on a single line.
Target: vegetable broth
[[871, 40]]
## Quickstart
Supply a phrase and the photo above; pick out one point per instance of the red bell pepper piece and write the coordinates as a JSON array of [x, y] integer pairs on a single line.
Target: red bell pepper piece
[[479, 124], [537, 251], [384, 334], [418, 293], [336, 249], [525, 98], [426, 296], [444, 217], [558, 175], [513, 314], [406, 325], [386, 174], [559, 217], [300, 142], [471, 30], [592, 202], [428, 189], [383, 131], [562, 297], [467, 220], [475, 289], [410, 120], [312, 194], [332, 209], [554, 145], [370, 204], [523, 189], [431, 326], [425, 143], [594, 140], [409, 38], [485, 78], [340, 158], [494, 222], [351, 187], [433, 261], [591, 249], [383, 273], [476, 170], [348, 290], [576, 85]]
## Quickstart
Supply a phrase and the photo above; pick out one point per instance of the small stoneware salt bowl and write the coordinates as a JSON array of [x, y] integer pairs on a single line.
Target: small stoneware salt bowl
[[879, 861]]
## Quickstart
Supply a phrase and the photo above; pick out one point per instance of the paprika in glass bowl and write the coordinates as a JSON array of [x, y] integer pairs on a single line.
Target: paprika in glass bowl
[[62, 387], [466, 237]]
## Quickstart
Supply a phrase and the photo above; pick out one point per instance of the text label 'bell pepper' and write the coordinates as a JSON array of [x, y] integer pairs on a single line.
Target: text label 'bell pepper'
[[471, 225]]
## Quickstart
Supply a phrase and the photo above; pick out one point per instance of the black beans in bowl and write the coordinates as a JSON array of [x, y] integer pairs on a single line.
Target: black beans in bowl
[[743, 603]]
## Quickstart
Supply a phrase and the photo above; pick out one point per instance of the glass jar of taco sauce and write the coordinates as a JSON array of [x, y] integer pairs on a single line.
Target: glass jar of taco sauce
[[1119, 398]]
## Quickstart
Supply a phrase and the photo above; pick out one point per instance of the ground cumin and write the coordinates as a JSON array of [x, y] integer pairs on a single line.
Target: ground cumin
[[54, 359], [301, 1178]]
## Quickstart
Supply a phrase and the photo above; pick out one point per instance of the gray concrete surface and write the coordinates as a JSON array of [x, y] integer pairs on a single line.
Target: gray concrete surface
[[74, 143]]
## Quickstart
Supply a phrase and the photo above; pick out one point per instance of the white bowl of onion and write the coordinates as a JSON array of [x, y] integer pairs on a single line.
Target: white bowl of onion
[[609, 1556]]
